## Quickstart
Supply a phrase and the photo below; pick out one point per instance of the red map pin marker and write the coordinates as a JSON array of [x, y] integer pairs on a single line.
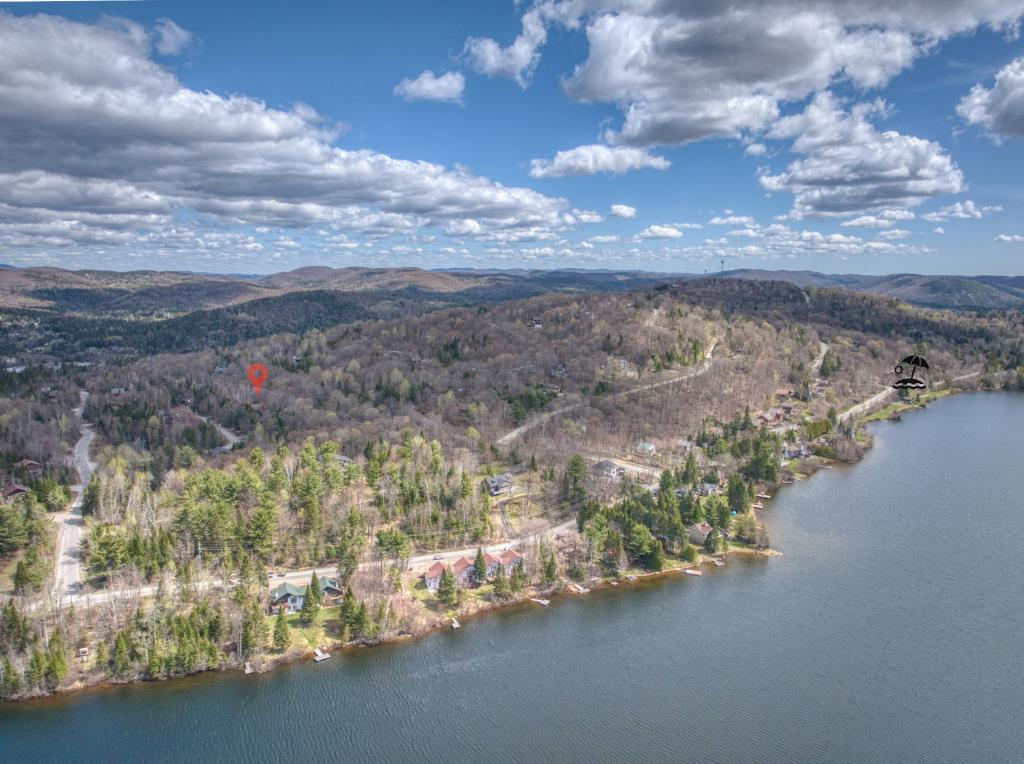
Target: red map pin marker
[[257, 375]]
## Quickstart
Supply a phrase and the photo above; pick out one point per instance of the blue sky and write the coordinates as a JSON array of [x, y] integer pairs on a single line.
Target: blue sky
[[250, 137]]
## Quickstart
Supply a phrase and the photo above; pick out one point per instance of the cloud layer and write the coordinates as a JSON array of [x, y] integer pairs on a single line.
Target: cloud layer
[[429, 87], [102, 144], [594, 159]]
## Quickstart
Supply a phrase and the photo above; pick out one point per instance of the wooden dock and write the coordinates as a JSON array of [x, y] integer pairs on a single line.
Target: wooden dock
[[542, 603], [693, 572]]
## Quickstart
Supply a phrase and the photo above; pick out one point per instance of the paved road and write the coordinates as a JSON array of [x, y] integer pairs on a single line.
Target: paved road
[[69, 523], [540, 419]]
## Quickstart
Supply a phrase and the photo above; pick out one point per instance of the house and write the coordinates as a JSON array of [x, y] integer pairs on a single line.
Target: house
[[463, 569], [330, 590], [287, 596], [497, 484], [770, 417], [536, 323], [118, 391], [607, 470], [698, 532], [709, 489], [432, 576], [346, 460], [31, 468], [685, 444], [492, 563], [509, 558], [646, 449], [783, 392], [218, 369], [13, 491]]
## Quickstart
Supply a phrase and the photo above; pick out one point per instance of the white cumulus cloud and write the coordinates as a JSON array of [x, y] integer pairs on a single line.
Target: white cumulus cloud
[[1001, 107], [623, 211], [595, 158], [660, 232], [429, 87]]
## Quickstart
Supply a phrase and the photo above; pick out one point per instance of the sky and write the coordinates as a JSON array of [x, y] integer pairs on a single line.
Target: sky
[[662, 135]]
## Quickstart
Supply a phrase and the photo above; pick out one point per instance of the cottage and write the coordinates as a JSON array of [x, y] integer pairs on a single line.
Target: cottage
[[31, 468], [509, 559], [492, 563], [287, 596], [14, 491], [330, 590], [498, 484], [709, 489], [606, 469], [646, 449], [463, 569], [698, 533], [536, 323], [432, 576], [117, 391]]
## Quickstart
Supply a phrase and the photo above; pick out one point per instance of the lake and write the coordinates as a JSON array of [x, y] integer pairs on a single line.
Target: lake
[[889, 631]]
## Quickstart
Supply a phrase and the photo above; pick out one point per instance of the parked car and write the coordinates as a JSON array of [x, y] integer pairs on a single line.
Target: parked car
[[438, 556]]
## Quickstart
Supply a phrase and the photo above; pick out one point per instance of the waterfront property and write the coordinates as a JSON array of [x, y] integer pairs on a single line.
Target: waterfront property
[[698, 533], [464, 568], [291, 597]]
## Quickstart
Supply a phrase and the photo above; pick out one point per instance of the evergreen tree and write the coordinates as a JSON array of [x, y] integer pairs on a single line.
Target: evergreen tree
[[10, 682], [349, 608], [502, 589], [314, 592], [518, 580], [447, 590], [550, 573], [102, 657], [362, 625], [309, 609], [122, 654], [56, 659], [282, 634], [479, 568], [36, 668]]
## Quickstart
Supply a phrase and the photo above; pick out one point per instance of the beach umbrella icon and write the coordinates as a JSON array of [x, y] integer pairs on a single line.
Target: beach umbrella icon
[[914, 363]]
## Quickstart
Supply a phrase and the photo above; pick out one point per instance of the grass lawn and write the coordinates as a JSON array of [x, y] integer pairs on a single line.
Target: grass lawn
[[327, 624], [895, 408]]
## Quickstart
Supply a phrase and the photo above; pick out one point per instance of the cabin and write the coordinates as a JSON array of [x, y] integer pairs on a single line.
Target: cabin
[[13, 492], [287, 596], [536, 323], [498, 484], [698, 533], [646, 449], [432, 575], [31, 468], [607, 470], [330, 591], [463, 569], [509, 559]]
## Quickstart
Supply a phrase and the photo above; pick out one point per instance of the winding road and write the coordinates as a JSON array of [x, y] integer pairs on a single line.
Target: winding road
[[542, 418]]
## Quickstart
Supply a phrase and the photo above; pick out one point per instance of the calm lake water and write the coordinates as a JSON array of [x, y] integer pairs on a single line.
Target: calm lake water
[[890, 631]]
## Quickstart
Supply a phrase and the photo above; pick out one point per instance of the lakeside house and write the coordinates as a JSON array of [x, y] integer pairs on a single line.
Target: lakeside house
[[698, 533], [13, 491], [464, 568], [497, 484], [292, 597]]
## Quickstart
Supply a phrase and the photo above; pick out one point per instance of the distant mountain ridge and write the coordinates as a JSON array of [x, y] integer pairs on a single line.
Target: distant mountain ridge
[[175, 292]]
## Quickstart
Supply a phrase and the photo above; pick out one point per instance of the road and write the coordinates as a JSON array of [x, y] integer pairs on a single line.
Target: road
[[296, 577], [224, 432], [69, 523], [822, 349], [540, 419], [878, 398]]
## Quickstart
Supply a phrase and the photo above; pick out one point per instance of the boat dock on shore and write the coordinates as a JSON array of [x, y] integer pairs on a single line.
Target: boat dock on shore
[[543, 603]]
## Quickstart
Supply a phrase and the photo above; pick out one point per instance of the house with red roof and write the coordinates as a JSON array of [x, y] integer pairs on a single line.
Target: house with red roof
[[508, 559], [463, 570], [13, 491], [432, 576]]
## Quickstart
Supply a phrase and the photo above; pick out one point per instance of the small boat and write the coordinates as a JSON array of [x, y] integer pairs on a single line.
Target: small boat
[[826, 466], [543, 603], [455, 623], [693, 572], [320, 655]]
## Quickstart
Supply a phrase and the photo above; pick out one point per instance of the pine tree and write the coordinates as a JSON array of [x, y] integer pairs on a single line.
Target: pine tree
[[10, 682], [36, 668], [349, 608], [314, 592], [502, 590], [479, 568], [309, 610], [362, 625], [56, 660], [122, 654], [282, 635], [447, 590], [550, 573], [518, 580]]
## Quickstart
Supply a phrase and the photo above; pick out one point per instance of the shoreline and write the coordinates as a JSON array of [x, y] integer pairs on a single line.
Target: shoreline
[[270, 662]]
